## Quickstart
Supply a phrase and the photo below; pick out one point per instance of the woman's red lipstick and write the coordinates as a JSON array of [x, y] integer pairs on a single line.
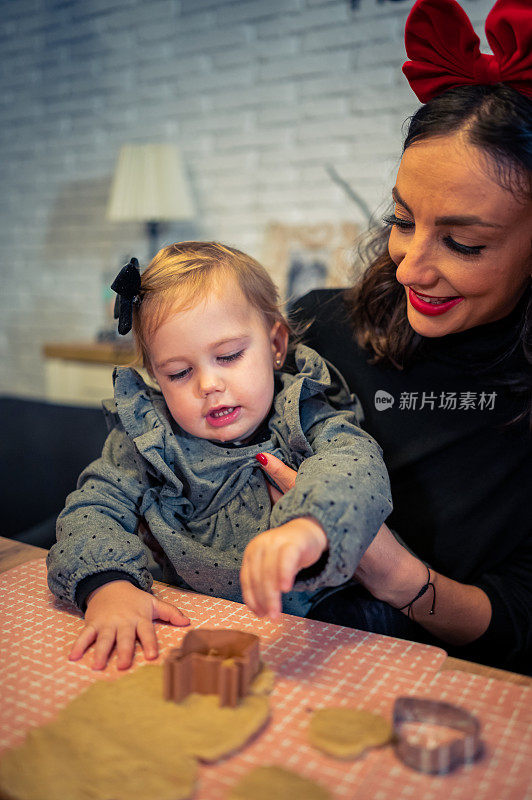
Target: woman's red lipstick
[[431, 307]]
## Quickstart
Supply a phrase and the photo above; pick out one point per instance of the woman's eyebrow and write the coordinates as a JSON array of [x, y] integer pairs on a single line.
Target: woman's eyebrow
[[451, 219], [398, 199], [466, 219]]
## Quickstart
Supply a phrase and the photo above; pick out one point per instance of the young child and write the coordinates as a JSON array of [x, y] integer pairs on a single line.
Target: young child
[[183, 462]]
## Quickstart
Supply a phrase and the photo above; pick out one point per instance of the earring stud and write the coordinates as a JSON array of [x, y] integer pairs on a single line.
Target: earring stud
[[278, 361]]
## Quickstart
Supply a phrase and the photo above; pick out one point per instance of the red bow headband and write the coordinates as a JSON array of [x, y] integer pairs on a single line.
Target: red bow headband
[[444, 50]]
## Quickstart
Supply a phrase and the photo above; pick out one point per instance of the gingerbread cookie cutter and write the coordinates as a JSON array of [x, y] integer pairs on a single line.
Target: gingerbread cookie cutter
[[444, 757], [219, 661]]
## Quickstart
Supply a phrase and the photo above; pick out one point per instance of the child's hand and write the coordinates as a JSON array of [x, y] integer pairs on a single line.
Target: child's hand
[[272, 560], [117, 615]]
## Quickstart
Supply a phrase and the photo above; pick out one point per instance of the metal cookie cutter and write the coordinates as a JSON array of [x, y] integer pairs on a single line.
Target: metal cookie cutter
[[445, 757]]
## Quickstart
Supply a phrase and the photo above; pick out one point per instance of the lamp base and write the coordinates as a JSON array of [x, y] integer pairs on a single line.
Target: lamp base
[[152, 230]]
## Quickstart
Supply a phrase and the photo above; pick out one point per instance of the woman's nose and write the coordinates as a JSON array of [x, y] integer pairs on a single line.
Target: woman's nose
[[415, 262]]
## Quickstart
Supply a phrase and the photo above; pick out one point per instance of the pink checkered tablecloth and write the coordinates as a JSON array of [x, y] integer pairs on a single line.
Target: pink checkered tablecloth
[[316, 665]]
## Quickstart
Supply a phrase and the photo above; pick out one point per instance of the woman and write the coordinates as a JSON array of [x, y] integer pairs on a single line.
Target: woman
[[435, 340]]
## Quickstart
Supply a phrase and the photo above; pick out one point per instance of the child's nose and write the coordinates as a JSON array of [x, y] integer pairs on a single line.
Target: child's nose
[[209, 382]]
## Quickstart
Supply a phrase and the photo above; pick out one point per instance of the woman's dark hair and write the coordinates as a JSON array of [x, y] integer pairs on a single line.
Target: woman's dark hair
[[498, 120]]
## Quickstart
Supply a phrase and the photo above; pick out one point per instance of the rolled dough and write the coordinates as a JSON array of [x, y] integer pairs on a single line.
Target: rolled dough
[[120, 739]]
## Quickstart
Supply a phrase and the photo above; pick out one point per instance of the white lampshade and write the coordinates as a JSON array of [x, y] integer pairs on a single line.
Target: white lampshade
[[149, 185]]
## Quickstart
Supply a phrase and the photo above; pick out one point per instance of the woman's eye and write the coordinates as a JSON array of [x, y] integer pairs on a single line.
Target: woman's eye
[[464, 249], [231, 357], [178, 376], [407, 225], [399, 222]]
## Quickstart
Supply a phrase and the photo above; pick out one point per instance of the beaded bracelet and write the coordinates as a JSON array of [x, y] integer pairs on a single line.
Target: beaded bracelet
[[421, 592]]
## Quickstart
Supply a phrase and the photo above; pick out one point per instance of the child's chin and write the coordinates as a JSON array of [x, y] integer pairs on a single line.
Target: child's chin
[[222, 434], [230, 434]]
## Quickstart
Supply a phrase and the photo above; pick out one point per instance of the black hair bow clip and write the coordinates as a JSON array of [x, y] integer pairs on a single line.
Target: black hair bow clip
[[127, 287]]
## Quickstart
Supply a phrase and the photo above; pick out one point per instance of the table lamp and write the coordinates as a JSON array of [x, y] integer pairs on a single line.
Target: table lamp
[[150, 186]]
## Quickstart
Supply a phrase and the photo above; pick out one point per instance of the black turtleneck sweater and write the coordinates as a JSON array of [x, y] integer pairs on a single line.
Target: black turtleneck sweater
[[461, 479]]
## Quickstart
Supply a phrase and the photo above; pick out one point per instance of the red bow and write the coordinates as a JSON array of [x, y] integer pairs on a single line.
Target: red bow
[[445, 50]]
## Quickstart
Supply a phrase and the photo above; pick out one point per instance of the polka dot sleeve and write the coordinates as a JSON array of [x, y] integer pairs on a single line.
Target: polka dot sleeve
[[96, 531], [344, 485]]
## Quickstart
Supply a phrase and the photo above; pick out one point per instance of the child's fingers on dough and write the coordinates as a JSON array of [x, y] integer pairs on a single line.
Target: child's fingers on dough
[[104, 645], [83, 642], [126, 637]]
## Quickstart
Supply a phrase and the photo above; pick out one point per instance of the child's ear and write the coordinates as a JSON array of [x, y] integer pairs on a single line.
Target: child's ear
[[279, 342]]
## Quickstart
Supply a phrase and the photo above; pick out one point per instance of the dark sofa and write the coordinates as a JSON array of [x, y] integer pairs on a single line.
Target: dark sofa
[[43, 448]]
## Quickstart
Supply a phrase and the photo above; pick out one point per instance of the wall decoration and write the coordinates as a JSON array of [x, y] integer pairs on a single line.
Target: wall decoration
[[305, 257]]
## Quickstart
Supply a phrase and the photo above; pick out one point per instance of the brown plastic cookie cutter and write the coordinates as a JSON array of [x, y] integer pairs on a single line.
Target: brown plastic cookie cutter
[[220, 661], [444, 757]]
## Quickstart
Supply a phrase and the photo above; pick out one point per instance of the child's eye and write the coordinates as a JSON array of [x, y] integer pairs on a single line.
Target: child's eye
[[399, 222], [178, 376], [464, 249], [231, 357]]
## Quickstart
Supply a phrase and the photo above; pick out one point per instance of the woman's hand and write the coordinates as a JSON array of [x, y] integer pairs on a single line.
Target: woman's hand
[[391, 573], [272, 560], [457, 613], [388, 570], [284, 477], [118, 614], [385, 564]]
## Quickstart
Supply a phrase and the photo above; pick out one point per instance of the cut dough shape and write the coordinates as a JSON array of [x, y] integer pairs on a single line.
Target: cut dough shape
[[121, 739], [265, 783], [347, 732]]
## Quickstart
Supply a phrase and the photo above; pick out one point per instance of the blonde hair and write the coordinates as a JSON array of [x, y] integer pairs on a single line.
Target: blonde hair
[[182, 274]]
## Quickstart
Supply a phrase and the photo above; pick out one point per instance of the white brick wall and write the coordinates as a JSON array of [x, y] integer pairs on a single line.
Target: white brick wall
[[259, 94]]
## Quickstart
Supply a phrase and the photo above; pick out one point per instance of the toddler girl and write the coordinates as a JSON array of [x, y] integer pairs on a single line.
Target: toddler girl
[[182, 462]]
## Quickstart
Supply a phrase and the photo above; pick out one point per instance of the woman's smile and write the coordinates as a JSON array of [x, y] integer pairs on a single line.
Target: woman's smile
[[430, 305]]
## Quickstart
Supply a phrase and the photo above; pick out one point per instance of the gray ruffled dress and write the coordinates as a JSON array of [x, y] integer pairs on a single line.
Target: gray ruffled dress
[[204, 501]]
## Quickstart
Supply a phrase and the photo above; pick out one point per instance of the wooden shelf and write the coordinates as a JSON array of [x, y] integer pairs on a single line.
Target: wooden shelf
[[93, 352], [81, 373]]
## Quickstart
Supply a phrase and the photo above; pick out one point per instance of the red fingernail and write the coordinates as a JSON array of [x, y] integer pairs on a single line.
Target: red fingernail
[[262, 458]]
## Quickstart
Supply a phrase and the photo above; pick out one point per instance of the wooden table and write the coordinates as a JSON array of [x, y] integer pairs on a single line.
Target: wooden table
[[13, 553]]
